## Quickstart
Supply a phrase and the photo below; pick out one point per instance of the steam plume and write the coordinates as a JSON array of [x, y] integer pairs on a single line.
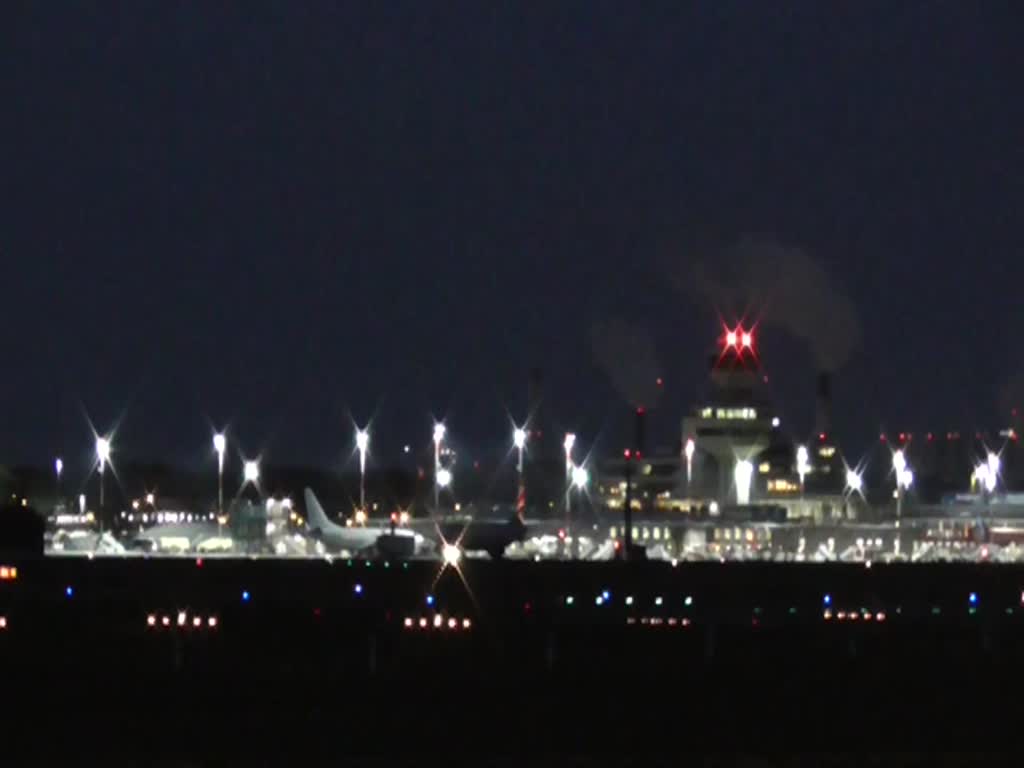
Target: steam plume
[[628, 355], [784, 287]]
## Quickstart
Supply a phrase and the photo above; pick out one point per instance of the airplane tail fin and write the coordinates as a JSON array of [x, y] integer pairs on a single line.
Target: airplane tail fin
[[314, 512]]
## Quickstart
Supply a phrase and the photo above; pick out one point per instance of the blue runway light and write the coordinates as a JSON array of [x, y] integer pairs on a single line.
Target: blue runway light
[[827, 600], [69, 591], [606, 595], [973, 598], [245, 596], [430, 599], [358, 589]]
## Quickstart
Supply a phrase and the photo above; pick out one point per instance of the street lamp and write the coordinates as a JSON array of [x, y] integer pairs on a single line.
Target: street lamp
[[220, 445], [802, 465], [519, 441], [444, 477], [567, 444], [993, 470], [103, 456], [439, 431], [688, 450], [904, 479], [251, 472], [362, 443], [854, 482], [580, 477], [58, 467]]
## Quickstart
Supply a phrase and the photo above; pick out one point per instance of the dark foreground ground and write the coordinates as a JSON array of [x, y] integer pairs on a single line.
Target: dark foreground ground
[[734, 665]]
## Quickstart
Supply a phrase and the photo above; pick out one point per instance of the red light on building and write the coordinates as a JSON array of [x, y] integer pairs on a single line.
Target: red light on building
[[821, 436], [627, 454], [930, 437], [882, 438], [659, 381], [738, 338]]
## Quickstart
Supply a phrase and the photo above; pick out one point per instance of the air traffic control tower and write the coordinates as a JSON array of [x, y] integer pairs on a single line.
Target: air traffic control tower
[[733, 423]]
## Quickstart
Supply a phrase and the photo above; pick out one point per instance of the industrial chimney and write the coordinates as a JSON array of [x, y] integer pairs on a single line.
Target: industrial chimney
[[639, 430], [823, 404]]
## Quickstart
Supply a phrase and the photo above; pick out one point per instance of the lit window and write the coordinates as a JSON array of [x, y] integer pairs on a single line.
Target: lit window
[[764, 468]]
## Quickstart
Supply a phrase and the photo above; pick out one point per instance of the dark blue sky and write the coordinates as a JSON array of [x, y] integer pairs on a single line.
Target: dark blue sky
[[275, 214]]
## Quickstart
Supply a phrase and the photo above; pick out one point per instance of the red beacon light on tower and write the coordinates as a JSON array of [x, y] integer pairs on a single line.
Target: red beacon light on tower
[[739, 339]]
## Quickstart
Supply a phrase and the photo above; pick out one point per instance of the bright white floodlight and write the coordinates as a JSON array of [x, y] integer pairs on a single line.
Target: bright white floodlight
[[451, 554], [854, 482], [102, 451], [58, 465], [519, 438], [580, 477], [568, 443], [251, 471], [220, 445], [899, 462], [690, 449], [444, 477], [438, 433], [993, 465], [986, 477], [802, 463], [742, 474], [362, 443]]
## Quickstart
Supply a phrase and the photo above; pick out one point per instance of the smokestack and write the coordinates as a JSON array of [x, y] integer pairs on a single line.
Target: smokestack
[[639, 430], [823, 404]]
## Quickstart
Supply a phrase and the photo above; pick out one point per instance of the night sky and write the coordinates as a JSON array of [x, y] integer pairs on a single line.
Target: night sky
[[280, 216]]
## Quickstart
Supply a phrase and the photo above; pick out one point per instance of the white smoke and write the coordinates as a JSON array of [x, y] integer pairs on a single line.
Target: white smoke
[[783, 287], [628, 355]]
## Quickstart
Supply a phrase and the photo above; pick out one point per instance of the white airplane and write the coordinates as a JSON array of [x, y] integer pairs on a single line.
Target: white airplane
[[336, 537]]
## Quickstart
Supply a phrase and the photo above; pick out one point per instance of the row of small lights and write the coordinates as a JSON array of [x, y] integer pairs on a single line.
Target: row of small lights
[[658, 621], [181, 621], [854, 615], [8, 573], [438, 622], [605, 598]]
